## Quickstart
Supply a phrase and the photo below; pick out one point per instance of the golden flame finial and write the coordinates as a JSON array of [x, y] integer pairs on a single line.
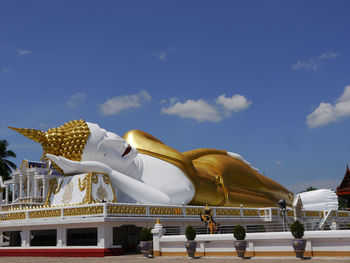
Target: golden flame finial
[[35, 135], [158, 221]]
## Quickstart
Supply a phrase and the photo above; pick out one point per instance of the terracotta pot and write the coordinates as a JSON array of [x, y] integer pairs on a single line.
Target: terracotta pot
[[191, 248], [240, 246], [299, 245], [146, 248]]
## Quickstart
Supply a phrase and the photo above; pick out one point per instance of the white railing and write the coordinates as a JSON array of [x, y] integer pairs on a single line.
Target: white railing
[[222, 215]]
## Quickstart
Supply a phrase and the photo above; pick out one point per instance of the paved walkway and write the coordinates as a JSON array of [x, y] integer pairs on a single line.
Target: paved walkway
[[140, 259]]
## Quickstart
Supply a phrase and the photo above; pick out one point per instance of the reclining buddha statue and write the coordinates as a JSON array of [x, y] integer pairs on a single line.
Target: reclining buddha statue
[[145, 170]]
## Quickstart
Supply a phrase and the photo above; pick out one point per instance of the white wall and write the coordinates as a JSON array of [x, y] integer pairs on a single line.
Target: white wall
[[319, 243]]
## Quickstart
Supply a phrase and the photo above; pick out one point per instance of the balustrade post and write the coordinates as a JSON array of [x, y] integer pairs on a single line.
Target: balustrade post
[[44, 188], [7, 194], [35, 187], [13, 192], [105, 211], [270, 213], [20, 186], [28, 184]]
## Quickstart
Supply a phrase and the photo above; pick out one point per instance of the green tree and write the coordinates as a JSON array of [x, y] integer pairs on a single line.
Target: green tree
[[310, 188], [5, 164], [343, 203]]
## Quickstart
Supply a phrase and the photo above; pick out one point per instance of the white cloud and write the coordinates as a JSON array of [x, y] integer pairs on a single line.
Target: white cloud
[[23, 51], [236, 103], [161, 55], [117, 104], [279, 162], [201, 110], [326, 112], [328, 55], [75, 99], [322, 115], [198, 110], [314, 63], [6, 71], [345, 96]]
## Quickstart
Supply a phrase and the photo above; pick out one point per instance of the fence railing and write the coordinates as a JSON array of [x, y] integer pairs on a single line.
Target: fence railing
[[30, 211]]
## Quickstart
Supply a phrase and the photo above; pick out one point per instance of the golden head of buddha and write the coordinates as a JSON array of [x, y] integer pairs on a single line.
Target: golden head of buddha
[[83, 141]]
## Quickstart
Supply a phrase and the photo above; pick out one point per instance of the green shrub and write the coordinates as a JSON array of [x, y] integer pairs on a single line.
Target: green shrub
[[145, 234], [190, 233], [297, 229], [239, 232]]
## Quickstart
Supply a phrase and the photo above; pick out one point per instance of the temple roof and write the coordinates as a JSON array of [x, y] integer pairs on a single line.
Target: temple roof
[[344, 187]]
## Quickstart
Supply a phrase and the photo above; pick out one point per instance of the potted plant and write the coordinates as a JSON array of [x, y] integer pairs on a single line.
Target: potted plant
[[190, 245], [298, 242], [146, 242], [240, 244]]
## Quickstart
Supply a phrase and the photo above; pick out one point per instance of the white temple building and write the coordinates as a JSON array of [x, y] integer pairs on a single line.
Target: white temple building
[[45, 213]]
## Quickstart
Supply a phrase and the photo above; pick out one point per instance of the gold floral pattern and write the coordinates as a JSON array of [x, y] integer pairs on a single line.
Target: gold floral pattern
[[101, 193]]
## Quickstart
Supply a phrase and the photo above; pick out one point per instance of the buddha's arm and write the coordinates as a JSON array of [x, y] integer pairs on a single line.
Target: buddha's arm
[[135, 189]]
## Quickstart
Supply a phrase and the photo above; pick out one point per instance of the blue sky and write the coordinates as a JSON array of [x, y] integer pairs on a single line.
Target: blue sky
[[269, 80]]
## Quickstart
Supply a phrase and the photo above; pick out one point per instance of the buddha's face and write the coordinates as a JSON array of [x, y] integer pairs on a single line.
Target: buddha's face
[[108, 148]]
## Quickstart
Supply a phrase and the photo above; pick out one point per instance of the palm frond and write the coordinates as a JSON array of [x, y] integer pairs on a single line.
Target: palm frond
[[10, 153], [10, 164]]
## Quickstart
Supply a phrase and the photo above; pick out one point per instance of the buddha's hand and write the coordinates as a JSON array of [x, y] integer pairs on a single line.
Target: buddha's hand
[[68, 166], [74, 167]]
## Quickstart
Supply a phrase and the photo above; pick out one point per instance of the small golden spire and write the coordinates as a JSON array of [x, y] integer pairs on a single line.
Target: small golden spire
[[158, 221], [35, 135]]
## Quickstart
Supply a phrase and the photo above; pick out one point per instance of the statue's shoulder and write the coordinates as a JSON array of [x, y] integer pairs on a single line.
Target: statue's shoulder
[[199, 153], [147, 144]]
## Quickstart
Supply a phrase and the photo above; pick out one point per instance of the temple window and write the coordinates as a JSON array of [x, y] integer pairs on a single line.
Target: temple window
[[47, 237], [82, 237], [11, 238]]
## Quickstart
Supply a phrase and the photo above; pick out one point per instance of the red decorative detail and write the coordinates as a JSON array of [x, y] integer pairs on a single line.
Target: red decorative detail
[[54, 252], [344, 187]]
